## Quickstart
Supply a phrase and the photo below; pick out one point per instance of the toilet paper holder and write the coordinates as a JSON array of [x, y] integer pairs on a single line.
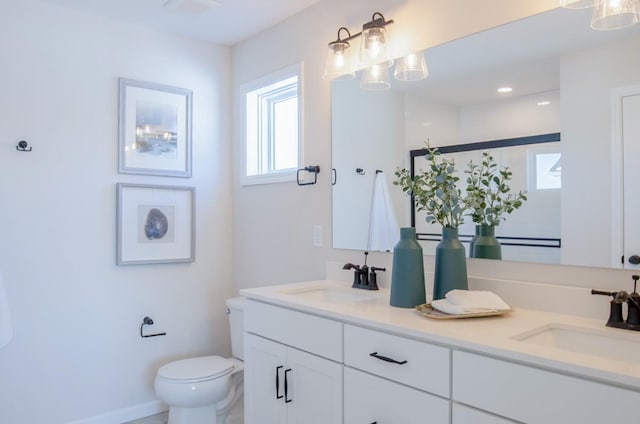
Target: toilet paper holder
[[148, 321]]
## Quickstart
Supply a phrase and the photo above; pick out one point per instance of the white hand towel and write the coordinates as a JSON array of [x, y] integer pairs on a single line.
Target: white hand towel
[[6, 329], [443, 305], [476, 299], [384, 232]]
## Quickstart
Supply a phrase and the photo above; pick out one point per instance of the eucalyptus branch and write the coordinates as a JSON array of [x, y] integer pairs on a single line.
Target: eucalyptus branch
[[489, 196], [435, 190]]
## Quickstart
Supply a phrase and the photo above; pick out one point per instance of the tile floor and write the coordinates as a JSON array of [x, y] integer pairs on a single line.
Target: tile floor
[[162, 418]]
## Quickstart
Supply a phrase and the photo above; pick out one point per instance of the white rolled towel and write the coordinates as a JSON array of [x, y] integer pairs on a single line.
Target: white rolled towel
[[6, 329], [459, 302]]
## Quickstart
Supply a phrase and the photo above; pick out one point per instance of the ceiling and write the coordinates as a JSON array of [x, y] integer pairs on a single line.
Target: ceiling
[[223, 22]]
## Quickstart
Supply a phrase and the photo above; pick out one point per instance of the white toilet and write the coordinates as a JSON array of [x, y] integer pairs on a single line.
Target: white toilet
[[207, 389]]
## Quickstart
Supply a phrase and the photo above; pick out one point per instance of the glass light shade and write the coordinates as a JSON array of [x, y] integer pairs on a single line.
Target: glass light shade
[[412, 67], [375, 78], [373, 50], [615, 14], [578, 4], [339, 64]]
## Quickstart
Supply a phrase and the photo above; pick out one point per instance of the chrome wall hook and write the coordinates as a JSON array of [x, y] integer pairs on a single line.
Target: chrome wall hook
[[23, 146]]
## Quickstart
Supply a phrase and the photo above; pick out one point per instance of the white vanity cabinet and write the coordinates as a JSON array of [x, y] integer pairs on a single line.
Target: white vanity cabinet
[[393, 379], [284, 384], [532, 395]]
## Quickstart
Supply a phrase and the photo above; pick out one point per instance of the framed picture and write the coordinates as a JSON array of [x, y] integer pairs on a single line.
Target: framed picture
[[154, 129], [155, 224]]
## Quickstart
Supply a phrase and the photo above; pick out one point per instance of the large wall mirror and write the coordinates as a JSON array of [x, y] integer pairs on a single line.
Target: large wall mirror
[[563, 75]]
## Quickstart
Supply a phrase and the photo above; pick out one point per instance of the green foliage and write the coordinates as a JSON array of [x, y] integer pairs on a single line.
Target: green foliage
[[435, 190], [489, 196]]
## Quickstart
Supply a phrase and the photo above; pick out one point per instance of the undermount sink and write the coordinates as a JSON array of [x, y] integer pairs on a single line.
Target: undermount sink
[[606, 343], [330, 294]]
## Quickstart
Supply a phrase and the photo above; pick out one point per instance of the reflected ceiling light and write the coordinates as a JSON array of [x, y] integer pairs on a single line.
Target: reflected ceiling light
[[543, 103], [373, 50], [375, 78], [578, 4], [411, 67], [505, 90], [339, 64], [615, 14]]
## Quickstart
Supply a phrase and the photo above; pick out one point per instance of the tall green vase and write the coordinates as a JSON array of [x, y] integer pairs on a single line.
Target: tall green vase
[[487, 246], [451, 264], [407, 275], [473, 241]]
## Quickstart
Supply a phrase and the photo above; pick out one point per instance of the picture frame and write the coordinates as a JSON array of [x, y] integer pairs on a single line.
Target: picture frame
[[154, 129], [155, 224]]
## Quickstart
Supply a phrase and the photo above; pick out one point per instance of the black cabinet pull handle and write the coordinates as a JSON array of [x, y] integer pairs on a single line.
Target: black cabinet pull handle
[[386, 359], [278, 395], [286, 386]]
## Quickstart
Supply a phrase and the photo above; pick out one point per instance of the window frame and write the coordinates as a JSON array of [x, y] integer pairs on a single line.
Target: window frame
[[288, 175]]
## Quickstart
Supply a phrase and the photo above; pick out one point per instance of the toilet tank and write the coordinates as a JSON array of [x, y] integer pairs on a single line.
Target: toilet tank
[[235, 310]]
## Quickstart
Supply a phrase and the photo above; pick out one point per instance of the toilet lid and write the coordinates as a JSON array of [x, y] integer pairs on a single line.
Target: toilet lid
[[204, 367]]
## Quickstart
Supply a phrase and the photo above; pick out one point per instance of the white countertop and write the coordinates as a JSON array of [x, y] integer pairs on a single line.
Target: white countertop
[[488, 335]]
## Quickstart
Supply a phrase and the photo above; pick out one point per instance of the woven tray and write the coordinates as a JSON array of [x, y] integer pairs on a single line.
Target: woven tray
[[427, 310]]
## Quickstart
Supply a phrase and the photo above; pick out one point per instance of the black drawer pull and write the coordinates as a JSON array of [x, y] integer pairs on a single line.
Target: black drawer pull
[[278, 395], [286, 386], [386, 359]]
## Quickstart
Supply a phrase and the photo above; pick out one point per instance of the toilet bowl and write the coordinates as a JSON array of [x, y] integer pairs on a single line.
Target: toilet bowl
[[206, 389]]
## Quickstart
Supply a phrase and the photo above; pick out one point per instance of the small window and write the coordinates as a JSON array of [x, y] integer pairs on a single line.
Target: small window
[[273, 127]]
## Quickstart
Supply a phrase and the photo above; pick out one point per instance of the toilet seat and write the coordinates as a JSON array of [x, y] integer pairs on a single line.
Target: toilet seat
[[194, 370]]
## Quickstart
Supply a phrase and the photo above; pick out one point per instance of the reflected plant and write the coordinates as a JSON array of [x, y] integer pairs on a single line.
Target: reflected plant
[[435, 190], [489, 196]]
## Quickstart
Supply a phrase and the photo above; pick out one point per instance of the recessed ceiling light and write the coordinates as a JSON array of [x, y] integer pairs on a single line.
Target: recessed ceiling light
[[544, 103], [505, 90]]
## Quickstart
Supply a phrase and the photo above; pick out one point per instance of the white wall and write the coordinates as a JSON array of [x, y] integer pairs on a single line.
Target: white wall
[[76, 351], [587, 78], [368, 133]]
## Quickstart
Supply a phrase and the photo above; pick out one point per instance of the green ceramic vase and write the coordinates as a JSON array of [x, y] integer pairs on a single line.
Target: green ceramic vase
[[407, 274], [451, 264], [473, 241], [487, 246]]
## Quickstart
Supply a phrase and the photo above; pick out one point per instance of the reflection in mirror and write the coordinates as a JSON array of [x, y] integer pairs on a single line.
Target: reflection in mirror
[[562, 74], [529, 234]]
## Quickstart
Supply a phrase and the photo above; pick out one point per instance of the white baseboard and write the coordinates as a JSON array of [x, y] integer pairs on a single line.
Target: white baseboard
[[127, 414]]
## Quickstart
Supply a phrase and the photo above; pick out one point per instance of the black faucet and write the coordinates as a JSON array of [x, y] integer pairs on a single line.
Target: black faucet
[[363, 276], [633, 307]]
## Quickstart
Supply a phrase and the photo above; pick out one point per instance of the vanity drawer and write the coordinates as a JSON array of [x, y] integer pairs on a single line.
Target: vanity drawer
[[426, 366], [369, 399], [310, 333], [534, 395]]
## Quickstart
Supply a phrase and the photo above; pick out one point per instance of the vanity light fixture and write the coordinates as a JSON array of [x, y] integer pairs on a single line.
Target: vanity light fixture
[[339, 62], [608, 14], [375, 77], [373, 50], [578, 4], [411, 67], [505, 90], [615, 14], [374, 58]]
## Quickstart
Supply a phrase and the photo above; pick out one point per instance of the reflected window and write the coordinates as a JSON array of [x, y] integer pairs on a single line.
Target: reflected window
[[547, 168]]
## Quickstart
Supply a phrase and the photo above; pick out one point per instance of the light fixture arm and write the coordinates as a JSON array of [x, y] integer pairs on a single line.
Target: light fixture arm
[[379, 22]]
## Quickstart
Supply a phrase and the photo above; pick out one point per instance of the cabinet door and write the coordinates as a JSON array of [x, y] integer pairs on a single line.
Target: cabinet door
[[464, 415], [264, 365], [314, 389], [370, 399]]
